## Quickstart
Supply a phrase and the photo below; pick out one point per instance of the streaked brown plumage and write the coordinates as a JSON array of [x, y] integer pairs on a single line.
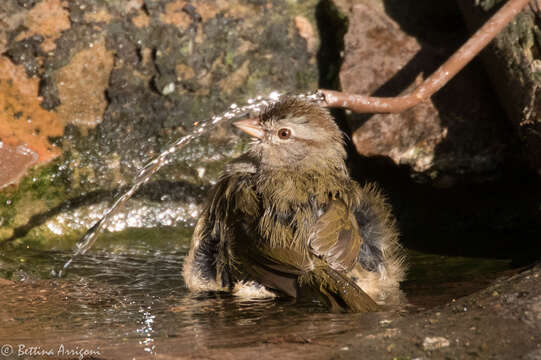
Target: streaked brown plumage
[[285, 218]]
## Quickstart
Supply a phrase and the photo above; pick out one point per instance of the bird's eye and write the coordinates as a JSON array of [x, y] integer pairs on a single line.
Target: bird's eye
[[284, 133]]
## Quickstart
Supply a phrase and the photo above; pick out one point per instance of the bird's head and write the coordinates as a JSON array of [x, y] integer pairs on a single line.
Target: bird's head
[[295, 134]]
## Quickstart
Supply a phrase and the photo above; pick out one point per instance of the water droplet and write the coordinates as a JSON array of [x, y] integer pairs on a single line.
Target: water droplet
[[168, 89], [201, 171], [275, 95]]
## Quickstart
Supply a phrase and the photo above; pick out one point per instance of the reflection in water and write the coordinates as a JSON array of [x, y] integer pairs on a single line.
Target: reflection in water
[[146, 330], [142, 301], [135, 303]]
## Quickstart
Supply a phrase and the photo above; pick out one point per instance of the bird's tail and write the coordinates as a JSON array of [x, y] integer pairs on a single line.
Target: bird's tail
[[340, 292]]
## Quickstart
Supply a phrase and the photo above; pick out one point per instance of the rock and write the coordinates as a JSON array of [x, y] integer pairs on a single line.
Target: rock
[[534, 355], [4, 282], [14, 161], [435, 343], [46, 19], [12, 15], [25, 127], [82, 85], [391, 333], [513, 62], [111, 84], [457, 135]]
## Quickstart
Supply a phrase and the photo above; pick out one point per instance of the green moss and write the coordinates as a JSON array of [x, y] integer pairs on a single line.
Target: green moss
[[142, 240], [229, 58], [34, 258], [185, 49], [41, 238], [133, 240], [44, 185]]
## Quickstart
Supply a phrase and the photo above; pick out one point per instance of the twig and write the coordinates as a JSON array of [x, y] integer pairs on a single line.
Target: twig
[[476, 43]]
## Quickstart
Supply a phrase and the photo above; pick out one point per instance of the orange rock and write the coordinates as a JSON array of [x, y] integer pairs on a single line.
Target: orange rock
[[209, 11], [133, 5], [101, 15], [22, 119], [81, 86], [306, 31], [48, 19], [146, 54], [238, 9], [184, 72], [141, 20], [175, 16]]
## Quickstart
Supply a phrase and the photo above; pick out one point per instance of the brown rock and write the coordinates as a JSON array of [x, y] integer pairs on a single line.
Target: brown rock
[[443, 135], [48, 19], [376, 50], [82, 84]]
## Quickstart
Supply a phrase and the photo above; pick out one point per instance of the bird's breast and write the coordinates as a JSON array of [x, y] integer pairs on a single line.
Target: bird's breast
[[287, 225]]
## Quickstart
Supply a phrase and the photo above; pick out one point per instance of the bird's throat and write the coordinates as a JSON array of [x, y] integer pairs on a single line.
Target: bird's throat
[[287, 190]]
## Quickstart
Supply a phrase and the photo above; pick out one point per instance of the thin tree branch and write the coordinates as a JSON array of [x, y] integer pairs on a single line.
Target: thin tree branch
[[476, 43]]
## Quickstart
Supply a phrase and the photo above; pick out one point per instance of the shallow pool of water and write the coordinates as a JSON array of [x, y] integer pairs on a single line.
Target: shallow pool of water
[[129, 301]]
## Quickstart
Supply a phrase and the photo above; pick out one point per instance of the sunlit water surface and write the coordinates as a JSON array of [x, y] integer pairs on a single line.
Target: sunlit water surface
[[127, 300]]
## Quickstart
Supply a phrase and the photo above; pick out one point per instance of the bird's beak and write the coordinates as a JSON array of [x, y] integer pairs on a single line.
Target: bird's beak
[[251, 127]]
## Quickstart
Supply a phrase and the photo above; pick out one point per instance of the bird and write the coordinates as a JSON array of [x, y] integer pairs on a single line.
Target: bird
[[285, 219]]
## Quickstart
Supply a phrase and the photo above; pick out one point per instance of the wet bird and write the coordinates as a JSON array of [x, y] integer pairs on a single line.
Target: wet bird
[[286, 219]]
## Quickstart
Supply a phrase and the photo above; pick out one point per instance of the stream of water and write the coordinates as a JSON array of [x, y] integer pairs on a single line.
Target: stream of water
[[253, 107]]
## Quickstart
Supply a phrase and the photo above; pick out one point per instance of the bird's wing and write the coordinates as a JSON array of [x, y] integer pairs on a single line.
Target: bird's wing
[[294, 273], [318, 273], [336, 240], [275, 267], [209, 263], [335, 237], [289, 269]]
